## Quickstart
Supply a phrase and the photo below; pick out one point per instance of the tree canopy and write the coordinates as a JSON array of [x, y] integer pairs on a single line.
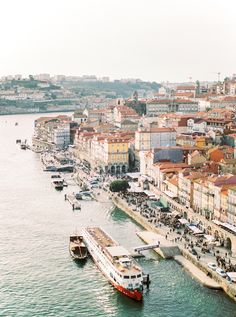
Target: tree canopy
[[119, 185]]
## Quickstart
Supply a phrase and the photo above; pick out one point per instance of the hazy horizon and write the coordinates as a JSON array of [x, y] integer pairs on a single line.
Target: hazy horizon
[[154, 40]]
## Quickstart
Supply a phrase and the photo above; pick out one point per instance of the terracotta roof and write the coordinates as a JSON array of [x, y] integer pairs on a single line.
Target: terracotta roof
[[184, 94], [185, 88], [173, 181], [170, 101], [158, 130]]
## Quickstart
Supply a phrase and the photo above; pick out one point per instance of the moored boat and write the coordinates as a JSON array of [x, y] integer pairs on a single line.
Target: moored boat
[[50, 168], [77, 248], [58, 183], [23, 146], [115, 262]]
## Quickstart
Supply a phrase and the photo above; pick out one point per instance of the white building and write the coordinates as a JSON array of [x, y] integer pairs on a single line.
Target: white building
[[159, 106], [43, 77], [231, 206], [79, 117], [147, 139], [196, 126], [61, 136]]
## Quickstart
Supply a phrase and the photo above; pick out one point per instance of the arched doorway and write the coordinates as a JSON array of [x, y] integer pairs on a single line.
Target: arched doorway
[[113, 169], [228, 244], [123, 168], [117, 169]]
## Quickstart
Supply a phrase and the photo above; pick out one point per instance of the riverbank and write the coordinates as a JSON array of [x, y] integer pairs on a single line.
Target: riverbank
[[170, 246], [37, 112], [198, 269]]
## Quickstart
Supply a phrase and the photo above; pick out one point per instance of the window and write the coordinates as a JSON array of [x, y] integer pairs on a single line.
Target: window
[[126, 276], [139, 275], [133, 276]]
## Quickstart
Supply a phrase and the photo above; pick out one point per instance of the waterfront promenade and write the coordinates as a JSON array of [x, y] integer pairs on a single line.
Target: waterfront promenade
[[198, 267], [171, 246]]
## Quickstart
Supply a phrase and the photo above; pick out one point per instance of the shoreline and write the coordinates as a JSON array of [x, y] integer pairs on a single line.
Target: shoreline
[[196, 268], [39, 112]]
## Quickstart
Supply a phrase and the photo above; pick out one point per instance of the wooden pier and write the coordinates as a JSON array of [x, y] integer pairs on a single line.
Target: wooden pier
[[73, 201]]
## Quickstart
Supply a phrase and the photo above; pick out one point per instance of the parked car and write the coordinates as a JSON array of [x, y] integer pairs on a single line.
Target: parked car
[[194, 252], [221, 272], [212, 266], [94, 185]]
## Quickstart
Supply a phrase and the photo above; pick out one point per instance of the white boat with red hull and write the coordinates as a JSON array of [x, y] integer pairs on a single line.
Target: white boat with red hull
[[115, 262]]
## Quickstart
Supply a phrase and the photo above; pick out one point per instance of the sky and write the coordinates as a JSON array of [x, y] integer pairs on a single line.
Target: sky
[[154, 40]]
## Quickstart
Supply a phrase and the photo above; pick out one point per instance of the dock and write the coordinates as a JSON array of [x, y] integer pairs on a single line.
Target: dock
[[169, 250], [73, 201], [166, 249]]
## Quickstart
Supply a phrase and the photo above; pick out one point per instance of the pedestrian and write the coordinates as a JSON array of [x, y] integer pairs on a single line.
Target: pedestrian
[[226, 254], [166, 236]]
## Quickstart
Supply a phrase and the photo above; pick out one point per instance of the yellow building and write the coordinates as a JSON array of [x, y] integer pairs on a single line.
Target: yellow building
[[201, 142], [116, 155]]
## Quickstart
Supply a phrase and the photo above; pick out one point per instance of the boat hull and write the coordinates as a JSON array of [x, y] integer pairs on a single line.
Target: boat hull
[[135, 294], [76, 257]]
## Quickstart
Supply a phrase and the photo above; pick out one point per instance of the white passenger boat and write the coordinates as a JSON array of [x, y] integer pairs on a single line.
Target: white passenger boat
[[115, 262]]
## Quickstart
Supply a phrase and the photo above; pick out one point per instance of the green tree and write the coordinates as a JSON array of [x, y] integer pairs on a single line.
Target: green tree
[[119, 185]]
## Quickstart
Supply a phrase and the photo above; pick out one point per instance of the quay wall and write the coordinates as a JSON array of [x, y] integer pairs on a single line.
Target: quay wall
[[229, 289], [120, 203]]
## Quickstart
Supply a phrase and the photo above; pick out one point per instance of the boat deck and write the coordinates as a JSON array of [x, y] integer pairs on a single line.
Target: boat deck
[[114, 251], [101, 237]]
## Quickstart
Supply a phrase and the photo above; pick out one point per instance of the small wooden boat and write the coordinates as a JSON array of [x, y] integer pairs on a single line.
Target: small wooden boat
[[77, 248]]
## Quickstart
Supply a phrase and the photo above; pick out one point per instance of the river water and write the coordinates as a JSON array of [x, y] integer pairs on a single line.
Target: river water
[[37, 275]]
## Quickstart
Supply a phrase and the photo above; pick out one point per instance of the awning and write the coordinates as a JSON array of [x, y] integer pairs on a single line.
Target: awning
[[195, 230], [149, 193], [218, 223], [229, 226], [134, 188], [183, 221], [133, 175]]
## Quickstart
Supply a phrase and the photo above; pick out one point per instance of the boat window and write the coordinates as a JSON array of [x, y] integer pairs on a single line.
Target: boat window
[[126, 276], [139, 275], [133, 276]]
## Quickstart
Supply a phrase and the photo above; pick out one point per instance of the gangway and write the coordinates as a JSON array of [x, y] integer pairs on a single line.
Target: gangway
[[147, 247]]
